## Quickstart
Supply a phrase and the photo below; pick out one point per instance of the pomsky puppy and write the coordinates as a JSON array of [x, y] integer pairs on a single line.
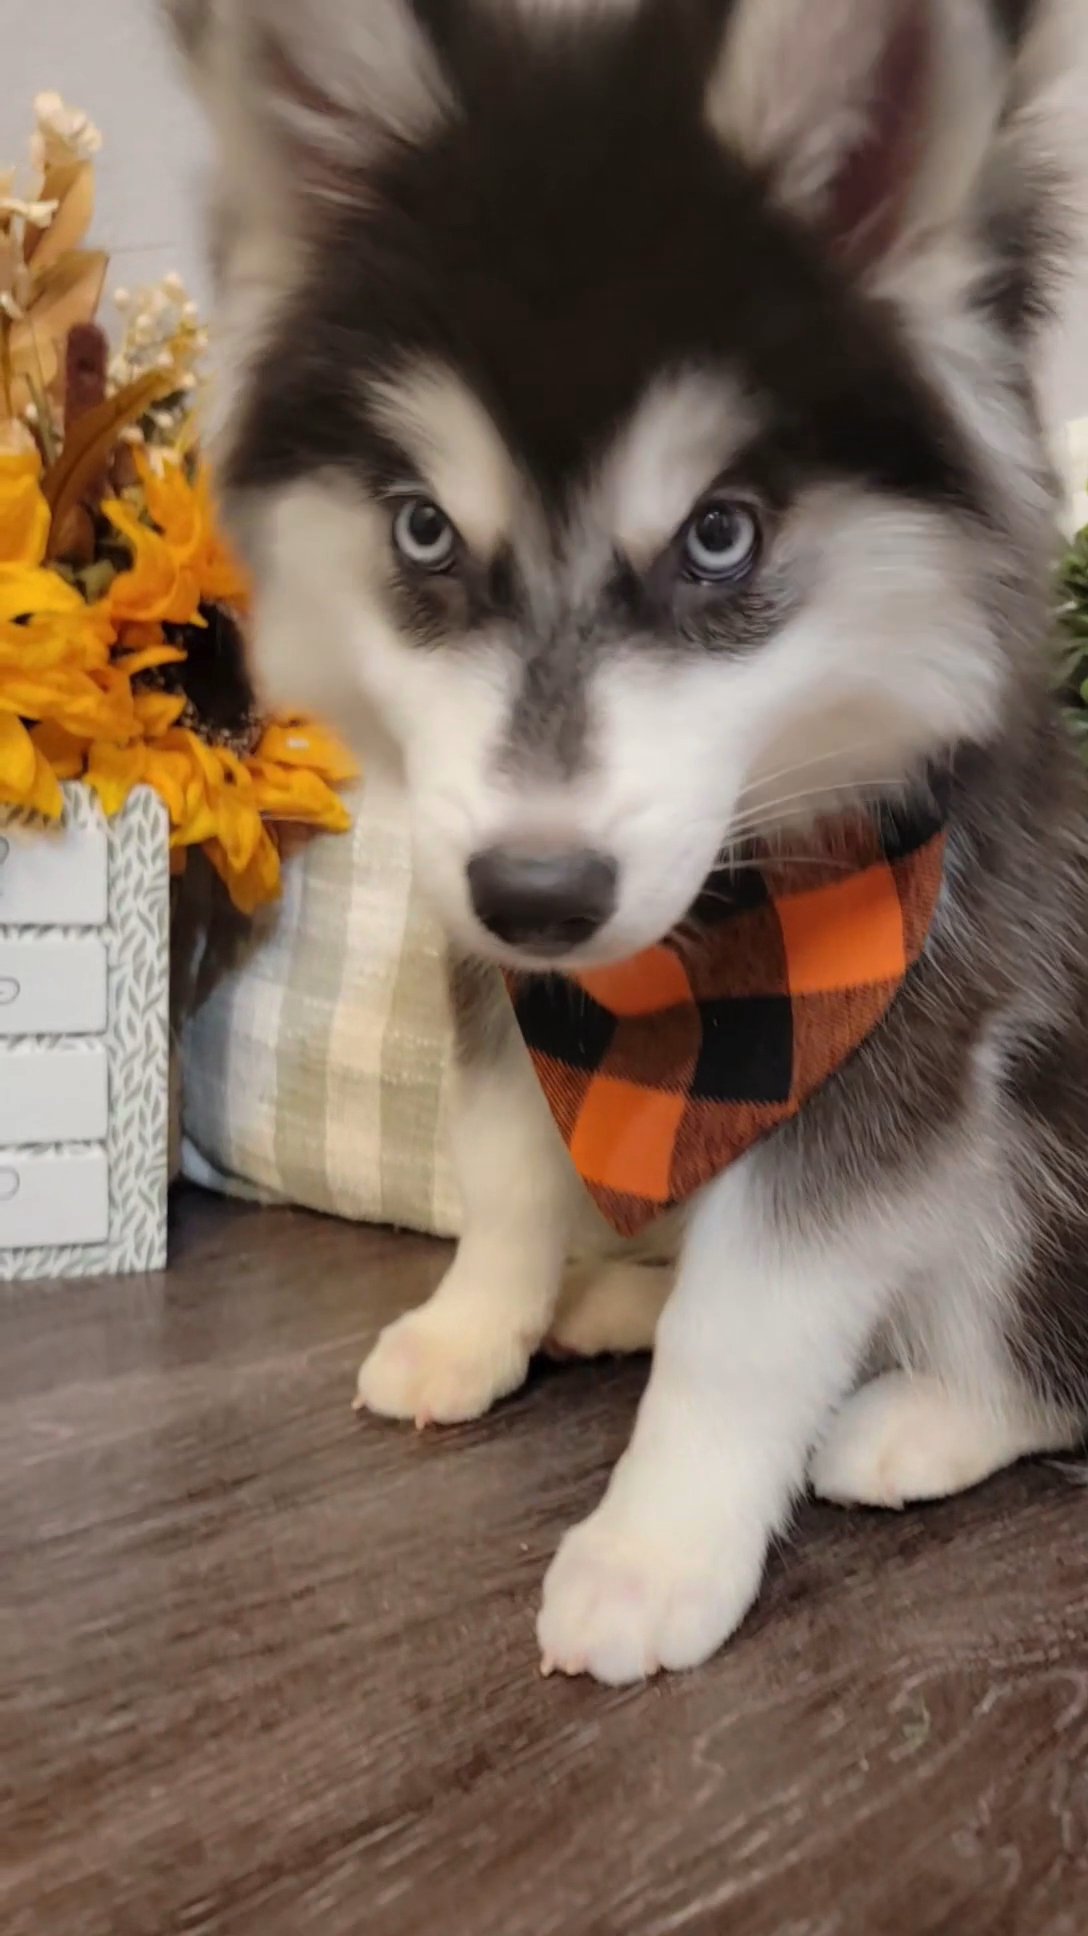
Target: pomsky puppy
[[631, 427]]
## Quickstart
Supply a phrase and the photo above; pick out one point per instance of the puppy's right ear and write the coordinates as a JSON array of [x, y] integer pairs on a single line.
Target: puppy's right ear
[[188, 18], [305, 94], [871, 119]]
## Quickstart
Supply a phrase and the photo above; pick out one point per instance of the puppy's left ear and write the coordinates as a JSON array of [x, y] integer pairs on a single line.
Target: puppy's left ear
[[305, 95], [871, 119]]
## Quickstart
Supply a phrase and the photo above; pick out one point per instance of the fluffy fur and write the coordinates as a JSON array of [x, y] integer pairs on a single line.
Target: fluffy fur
[[569, 271]]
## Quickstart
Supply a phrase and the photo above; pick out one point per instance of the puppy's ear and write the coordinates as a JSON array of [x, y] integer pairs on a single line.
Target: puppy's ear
[[871, 118], [304, 94], [188, 19]]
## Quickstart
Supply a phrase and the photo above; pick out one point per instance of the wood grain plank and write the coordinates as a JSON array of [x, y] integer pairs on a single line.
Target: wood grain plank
[[267, 1668]]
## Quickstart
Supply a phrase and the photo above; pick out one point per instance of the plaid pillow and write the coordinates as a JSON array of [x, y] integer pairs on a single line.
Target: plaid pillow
[[317, 1055]]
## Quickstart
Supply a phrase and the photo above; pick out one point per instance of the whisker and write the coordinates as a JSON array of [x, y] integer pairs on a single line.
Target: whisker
[[876, 784], [775, 861], [758, 820], [800, 767]]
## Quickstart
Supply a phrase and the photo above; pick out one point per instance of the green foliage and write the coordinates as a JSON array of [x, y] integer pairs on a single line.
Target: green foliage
[[1073, 614]]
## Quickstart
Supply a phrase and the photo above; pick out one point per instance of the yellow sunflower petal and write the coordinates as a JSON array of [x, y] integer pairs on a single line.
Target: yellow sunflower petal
[[174, 506], [130, 663], [239, 826], [159, 585], [65, 754], [259, 883], [45, 694], [187, 776], [27, 591], [184, 750], [133, 637], [292, 793], [26, 777], [113, 772], [18, 763], [36, 786], [186, 516], [51, 641], [223, 580], [200, 826], [171, 775], [46, 797], [24, 514], [157, 712], [303, 742], [114, 704], [97, 622], [93, 705], [203, 759]]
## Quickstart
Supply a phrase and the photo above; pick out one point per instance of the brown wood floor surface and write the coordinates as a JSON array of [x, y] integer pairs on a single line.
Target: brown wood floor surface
[[267, 1669]]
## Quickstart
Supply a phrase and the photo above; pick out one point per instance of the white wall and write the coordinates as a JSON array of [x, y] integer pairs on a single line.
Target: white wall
[[112, 58]]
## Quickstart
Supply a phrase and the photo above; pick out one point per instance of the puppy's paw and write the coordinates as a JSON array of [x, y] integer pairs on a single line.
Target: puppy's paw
[[609, 1311], [903, 1439], [622, 1607], [436, 1371]]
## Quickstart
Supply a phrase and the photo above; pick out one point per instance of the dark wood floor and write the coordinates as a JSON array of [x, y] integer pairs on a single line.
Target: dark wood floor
[[268, 1669]]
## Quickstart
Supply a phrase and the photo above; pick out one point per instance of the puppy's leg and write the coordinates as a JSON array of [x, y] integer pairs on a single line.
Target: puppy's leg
[[962, 1404], [471, 1344], [758, 1342], [609, 1309], [910, 1436]]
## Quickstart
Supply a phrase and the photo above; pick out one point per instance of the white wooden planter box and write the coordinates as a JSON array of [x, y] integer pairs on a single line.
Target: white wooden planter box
[[84, 1039]]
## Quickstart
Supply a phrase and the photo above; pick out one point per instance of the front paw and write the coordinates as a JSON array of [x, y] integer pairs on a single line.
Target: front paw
[[610, 1310], [434, 1371], [623, 1605]]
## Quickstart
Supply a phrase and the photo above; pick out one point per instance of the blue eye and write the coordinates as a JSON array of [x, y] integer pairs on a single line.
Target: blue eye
[[722, 543], [424, 535]]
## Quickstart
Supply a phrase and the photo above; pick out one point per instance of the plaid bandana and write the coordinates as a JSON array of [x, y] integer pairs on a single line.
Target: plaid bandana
[[664, 1070]]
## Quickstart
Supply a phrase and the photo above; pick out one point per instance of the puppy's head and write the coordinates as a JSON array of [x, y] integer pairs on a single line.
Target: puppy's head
[[629, 418]]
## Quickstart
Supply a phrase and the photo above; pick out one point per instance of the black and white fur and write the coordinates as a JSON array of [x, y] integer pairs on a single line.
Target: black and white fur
[[566, 269]]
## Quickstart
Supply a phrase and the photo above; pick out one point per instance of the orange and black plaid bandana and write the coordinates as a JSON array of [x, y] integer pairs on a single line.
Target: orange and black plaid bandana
[[664, 1070]]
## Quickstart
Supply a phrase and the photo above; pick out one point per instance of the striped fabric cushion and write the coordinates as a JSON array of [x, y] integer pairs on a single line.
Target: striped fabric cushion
[[316, 1063]]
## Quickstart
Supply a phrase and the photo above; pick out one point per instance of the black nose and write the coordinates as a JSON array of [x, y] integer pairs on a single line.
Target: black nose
[[546, 903]]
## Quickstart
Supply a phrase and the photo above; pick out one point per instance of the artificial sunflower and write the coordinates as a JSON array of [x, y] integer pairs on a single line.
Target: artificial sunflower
[[54, 649], [24, 513], [27, 776], [122, 607]]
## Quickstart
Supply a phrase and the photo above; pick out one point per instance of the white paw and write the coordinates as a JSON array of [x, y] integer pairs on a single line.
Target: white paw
[[623, 1607], [609, 1310], [437, 1371], [903, 1439]]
